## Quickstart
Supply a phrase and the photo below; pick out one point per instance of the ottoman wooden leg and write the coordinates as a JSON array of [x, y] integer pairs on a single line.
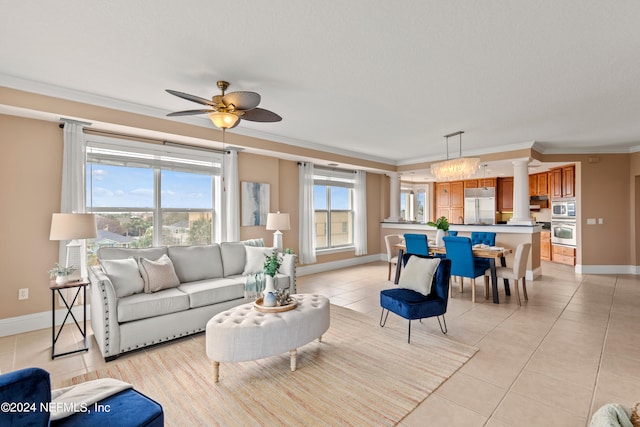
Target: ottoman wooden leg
[[294, 357], [216, 371], [320, 338]]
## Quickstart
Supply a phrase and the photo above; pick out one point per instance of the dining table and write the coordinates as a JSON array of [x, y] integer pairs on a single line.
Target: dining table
[[491, 253]]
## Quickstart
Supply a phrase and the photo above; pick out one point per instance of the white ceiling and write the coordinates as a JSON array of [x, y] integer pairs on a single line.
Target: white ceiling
[[385, 80]]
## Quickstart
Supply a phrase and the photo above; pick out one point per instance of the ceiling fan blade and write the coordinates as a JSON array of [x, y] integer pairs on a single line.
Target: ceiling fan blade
[[191, 97], [190, 112], [242, 100], [260, 115]]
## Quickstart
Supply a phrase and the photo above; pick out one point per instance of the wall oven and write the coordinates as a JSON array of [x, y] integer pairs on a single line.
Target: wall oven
[[563, 232]]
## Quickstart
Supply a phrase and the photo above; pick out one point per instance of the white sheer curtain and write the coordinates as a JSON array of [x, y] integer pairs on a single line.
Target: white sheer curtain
[[307, 228], [73, 190], [231, 228], [360, 213]]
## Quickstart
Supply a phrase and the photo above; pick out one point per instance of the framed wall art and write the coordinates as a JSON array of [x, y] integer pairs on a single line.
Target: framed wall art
[[255, 203]]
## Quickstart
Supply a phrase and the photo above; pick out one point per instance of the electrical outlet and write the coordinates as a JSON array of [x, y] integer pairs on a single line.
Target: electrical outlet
[[23, 293]]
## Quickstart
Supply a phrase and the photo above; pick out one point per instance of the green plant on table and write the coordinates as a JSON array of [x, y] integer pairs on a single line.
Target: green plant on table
[[441, 223], [58, 270], [272, 263]]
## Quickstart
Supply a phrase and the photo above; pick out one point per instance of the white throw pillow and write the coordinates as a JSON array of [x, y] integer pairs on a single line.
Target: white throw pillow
[[158, 275], [124, 276], [418, 274], [255, 259]]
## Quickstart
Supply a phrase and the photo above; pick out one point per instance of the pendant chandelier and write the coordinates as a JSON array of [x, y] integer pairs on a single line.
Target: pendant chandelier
[[455, 169]]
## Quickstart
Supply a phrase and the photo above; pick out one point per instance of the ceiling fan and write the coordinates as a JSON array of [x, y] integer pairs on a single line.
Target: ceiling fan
[[227, 110]]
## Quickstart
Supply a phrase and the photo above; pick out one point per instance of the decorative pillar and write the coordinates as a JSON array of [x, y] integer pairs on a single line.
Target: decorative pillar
[[521, 213], [394, 197]]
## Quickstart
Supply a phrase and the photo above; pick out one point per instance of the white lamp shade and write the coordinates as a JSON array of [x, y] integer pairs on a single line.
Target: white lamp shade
[[278, 221], [70, 226], [223, 120]]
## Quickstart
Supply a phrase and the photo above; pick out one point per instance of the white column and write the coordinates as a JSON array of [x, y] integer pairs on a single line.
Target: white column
[[521, 213], [394, 197]]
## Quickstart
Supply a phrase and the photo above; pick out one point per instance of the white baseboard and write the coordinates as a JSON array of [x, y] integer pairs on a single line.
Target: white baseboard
[[334, 265], [607, 269], [35, 321]]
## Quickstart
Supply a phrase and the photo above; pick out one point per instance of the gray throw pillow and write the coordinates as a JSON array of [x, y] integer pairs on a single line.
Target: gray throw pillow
[[124, 276], [158, 275]]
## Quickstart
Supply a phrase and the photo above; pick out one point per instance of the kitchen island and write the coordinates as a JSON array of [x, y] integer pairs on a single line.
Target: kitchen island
[[508, 236]]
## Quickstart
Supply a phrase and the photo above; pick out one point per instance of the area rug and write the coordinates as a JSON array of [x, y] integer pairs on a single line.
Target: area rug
[[359, 375]]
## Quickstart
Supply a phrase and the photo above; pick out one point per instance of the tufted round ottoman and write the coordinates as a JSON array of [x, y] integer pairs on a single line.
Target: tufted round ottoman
[[242, 333]]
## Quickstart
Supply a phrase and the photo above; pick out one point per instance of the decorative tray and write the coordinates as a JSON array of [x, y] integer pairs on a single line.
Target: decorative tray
[[293, 303]]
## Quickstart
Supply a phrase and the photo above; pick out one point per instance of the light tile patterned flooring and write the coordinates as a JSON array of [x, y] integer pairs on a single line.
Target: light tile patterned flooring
[[574, 346]]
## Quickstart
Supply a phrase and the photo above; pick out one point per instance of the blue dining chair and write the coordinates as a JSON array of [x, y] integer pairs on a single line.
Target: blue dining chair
[[464, 264], [483, 238], [453, 233], [417, 244]]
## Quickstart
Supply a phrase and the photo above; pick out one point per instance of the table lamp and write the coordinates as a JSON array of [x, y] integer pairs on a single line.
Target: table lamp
[[73, 227], [278, 221]]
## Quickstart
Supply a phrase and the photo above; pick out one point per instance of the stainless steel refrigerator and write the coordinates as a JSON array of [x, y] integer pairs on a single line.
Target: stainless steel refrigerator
[[480, 205]]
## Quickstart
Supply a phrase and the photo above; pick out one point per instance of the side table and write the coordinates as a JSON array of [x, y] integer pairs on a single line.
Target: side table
[[81, 285]]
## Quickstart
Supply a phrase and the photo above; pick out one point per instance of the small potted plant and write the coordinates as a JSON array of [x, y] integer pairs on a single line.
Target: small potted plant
[[271, 265], [442, 226], [61, 274]]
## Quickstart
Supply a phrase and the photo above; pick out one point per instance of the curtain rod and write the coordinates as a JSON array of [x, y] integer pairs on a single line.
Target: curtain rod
[[147, 139]]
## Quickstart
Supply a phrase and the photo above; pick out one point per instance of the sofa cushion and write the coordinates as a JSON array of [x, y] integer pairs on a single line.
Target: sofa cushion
[[124, 276], [158, 275], [253, 242], [255, 259], [233, 258], [141, 306], [208, 292], [198, 262], [135, 253]]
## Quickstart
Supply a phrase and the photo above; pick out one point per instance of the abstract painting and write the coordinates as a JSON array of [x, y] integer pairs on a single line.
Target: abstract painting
[[255, 203]]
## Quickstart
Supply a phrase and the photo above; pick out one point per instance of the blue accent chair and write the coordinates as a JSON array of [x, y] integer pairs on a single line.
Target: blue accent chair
[[464, 264], [412, 305], [453, 233], [417, 244], [32, 386]]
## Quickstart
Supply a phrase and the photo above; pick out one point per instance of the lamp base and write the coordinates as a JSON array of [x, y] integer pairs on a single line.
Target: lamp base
[[277, 240]]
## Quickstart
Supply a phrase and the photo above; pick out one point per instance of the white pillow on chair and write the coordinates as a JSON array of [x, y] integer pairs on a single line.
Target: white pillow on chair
[[418, 274]]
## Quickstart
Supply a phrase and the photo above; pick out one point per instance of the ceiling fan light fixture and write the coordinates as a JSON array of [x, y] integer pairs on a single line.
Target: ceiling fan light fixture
[[455, 169], [223, 120]]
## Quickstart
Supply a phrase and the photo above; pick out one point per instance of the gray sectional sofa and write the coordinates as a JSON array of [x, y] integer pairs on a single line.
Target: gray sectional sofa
[[138, 298]]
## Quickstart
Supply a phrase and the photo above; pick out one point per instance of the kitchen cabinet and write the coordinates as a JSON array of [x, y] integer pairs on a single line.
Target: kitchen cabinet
[[450, 201], [471, 183], [505, 194], [563, 254], [487, 182], [538, 184], [562, 182], [545, 245]]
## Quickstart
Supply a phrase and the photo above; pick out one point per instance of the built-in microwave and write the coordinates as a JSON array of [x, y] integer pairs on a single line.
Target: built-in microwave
[[563, 209]]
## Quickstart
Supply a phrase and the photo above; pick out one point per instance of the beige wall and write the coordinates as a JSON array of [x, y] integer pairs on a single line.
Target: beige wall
[[31, 162], [30, 177], [31, 171]]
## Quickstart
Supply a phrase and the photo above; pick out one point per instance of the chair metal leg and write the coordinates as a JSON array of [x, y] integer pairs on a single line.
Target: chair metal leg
[[445, 330], [409, 336], [382, 323]]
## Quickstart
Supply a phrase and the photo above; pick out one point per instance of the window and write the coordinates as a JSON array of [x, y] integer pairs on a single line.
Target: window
[[333, 203], [413, 207], [151, 195]]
